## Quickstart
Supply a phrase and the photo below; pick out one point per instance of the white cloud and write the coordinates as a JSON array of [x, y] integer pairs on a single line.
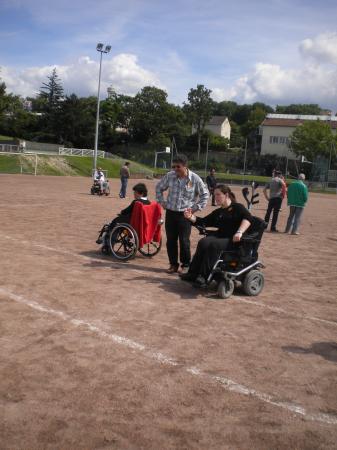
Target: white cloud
[[323, 48], [314, 81], [123, 72]]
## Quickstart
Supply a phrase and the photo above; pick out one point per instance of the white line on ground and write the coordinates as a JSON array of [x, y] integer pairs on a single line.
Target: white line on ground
[[237, 299], [161, 358]]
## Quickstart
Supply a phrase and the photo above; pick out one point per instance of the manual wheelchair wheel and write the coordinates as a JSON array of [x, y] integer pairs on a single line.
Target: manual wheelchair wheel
[[123, 242], [150, 249], [253, 283], [225, 288]]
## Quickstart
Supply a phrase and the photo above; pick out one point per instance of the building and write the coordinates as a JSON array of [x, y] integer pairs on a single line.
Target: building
[[276, 130], [218, 125]]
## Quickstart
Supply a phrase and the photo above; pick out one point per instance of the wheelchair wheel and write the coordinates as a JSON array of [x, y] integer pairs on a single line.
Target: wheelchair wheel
[[123, 242], [253, 283], [150, 249], [225, 288]]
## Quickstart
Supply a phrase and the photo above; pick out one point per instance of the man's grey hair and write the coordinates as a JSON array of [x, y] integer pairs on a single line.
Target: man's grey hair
[[301, 176]]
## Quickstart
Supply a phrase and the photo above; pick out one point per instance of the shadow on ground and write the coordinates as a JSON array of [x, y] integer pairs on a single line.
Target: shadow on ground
[[327, 350]]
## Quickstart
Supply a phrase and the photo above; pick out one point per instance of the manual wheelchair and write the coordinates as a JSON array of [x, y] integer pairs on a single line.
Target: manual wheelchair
[[240, 265], [143, 234], [96, 189]]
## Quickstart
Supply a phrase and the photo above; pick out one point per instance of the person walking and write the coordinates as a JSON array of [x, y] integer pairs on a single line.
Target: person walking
[[276, 192], [186, 190], [125, 175], [211, 183], [297, 199]]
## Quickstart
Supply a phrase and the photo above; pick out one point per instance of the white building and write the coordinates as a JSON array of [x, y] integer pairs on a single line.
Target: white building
[[218, 125], [276, 129]]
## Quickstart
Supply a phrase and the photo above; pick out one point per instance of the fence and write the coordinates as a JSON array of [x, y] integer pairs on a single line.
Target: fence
[[81, 152], [9, 148]]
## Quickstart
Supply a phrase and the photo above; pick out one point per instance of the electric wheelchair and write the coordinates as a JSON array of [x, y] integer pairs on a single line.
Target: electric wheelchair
[[96, 188], [240, 265], [143, 234]]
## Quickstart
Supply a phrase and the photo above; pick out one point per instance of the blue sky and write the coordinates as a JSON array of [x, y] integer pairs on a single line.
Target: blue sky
[[276, 51]]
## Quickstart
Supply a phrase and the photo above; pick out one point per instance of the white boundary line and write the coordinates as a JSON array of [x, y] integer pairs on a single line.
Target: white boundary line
[[237, 299], [161, 358]]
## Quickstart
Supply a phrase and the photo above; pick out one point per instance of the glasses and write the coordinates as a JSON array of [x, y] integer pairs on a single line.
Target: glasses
[[176, 166]]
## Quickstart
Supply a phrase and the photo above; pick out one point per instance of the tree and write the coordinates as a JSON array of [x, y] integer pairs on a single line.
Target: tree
[[149, 114], [199, 110], [310, 108], [311, 139], [50, 101]]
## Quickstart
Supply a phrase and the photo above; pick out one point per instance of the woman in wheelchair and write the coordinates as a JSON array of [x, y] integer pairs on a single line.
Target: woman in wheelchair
[[231, 220], [140, 195]]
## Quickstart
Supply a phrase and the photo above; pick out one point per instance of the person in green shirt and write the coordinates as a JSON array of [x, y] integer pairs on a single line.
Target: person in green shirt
[[297, 199]]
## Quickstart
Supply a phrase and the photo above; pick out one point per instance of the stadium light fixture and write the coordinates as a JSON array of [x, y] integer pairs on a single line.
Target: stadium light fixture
[[100, 48]]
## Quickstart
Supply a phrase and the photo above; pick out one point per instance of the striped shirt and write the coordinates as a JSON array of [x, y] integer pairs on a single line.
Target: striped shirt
[[183, 193]]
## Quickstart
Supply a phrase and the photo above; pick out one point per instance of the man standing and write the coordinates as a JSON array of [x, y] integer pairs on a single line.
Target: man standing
[[211, 183], [297, 199], [276, 189], [186, 190], [125, 175]]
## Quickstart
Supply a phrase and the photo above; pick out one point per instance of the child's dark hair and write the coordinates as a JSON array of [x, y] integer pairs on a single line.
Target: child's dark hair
[[140, 188], [226, 190], [181, 159]]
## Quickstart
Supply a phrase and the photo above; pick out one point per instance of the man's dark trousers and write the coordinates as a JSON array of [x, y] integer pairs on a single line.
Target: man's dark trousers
[[178, 228], [274, 205]]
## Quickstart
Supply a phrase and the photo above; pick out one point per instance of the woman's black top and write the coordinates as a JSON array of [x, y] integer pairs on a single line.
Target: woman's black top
[[226, 220]]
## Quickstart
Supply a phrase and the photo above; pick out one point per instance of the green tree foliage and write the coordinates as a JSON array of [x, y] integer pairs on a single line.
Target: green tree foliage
[[311, 139], [77, 127], [148, 114], [199, 110], [50, 103], [299, 109]]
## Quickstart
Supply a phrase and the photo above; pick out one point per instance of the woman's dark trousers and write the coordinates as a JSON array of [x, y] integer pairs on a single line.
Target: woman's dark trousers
[[208, 251]]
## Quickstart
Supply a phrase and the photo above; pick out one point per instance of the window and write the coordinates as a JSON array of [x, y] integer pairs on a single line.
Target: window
[[273, 139]]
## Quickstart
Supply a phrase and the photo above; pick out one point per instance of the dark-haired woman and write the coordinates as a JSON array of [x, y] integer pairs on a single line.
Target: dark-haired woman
[[231, 220]]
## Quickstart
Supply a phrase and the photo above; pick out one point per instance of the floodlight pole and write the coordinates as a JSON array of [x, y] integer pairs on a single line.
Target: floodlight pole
[[100, 48]]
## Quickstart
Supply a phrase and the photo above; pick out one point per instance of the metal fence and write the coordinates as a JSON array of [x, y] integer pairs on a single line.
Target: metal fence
[[80, 152]]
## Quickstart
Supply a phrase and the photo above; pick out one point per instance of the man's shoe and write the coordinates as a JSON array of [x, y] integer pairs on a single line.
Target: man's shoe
[[99, 241], [172, 269], [296, 233], [274, 231], [199, 282], [188, 276]]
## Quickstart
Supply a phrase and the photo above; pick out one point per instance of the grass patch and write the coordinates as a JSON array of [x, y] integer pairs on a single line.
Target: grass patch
[[9, 163], [6, 138]]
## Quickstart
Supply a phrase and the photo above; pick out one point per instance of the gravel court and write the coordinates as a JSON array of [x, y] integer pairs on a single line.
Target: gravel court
[[255, 346]]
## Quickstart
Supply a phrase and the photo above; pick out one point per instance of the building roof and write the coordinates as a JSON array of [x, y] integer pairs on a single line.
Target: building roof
[[292, 120], [217, 120]]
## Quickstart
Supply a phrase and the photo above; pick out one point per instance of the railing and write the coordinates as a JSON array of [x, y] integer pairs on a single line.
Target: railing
[[80, 152], [9, 148]]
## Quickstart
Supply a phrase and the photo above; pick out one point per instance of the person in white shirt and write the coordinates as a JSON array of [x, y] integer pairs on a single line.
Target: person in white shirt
[[100, 178]]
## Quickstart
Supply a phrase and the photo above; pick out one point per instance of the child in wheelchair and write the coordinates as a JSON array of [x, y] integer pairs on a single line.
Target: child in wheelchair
[[230, 252], [140, 195]]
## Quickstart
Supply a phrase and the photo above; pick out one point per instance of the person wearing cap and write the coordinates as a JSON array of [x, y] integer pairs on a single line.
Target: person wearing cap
[[297, 199], [276, 192]]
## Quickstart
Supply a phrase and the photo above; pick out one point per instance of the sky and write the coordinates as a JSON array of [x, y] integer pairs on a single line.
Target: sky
[[276, 51]]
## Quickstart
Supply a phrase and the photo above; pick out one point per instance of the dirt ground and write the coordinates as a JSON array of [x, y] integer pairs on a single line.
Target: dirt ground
[[96, 354]]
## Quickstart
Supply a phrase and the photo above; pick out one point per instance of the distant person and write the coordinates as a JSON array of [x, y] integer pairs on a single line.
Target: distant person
[[297, 199], [186, 190], [99, 177], [211, 184], [125, 175], [276, 192]]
